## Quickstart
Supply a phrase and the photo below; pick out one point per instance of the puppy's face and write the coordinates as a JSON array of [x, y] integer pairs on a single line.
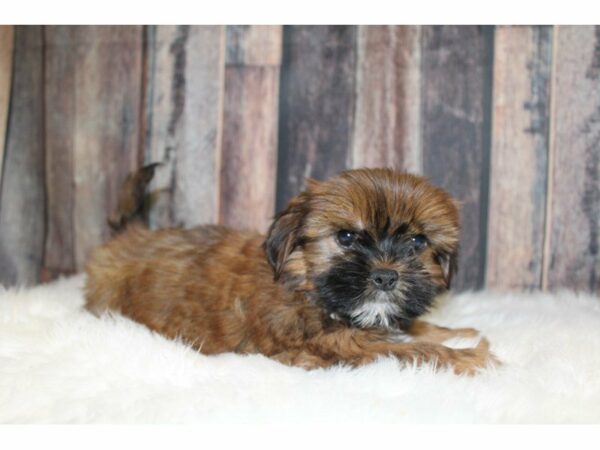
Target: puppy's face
[[372, 246]]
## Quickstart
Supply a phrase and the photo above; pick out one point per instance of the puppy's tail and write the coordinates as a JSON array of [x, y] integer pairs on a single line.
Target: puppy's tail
[[133, 203]]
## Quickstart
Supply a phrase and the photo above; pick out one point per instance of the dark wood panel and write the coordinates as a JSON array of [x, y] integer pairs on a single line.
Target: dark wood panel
[[6, 55], [22, 206], [100, 126], [60, 113], [519, 160], [184, 96], [387, 129], [456, 90], [572, 250], [316, 104], [249, 158]]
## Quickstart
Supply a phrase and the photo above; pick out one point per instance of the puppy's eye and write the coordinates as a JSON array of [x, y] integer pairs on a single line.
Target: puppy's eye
[[346, 238], [418, 242]]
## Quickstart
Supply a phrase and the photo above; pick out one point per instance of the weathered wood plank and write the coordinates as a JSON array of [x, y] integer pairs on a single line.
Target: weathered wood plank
[[100, 114], [22, 205], [457, 78], [387, 129], [6, 56], [256, 45], [59, 107], [249, 149], [573, 232], [519, 159], [184, 74], [316, 103]]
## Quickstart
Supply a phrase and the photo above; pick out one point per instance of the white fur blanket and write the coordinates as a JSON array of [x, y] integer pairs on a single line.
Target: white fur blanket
[[59, 364]]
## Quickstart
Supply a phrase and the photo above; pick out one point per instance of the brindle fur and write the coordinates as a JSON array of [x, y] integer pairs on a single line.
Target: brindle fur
[[230, 291]]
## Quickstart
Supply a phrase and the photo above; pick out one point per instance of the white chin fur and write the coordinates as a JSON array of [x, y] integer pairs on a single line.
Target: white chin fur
[[378, 312]]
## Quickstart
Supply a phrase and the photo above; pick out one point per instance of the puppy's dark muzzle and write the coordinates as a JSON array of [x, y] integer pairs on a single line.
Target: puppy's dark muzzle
[[384, 279]]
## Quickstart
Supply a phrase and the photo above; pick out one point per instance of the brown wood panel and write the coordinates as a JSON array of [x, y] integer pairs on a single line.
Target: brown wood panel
[[249, 151], [519, 159], [387, 129], [316, 104], [456, 92], [184, 96], [22, 192], [6, 55], [94, 85], [572, 247]]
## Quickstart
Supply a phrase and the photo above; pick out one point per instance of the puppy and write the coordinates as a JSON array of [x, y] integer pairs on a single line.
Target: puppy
[[341, 277]]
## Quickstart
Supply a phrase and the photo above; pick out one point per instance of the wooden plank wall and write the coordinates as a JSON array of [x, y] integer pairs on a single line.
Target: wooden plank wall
[[316, 105], [573, 218], [6, 54], [22, 206], [183, 78], [519, 156], [91, 138], [505, 118], [387, 124], [250, 119], [455, 128]]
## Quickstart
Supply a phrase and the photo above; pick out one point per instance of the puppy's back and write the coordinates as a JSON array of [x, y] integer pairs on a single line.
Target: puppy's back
[[123, 268]]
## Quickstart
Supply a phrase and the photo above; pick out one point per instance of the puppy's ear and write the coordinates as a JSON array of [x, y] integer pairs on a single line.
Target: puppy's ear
[[448, 263], [284, 233]]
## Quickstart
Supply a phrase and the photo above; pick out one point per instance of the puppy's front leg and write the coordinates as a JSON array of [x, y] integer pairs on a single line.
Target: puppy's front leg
[[428, 332], [357, 347]]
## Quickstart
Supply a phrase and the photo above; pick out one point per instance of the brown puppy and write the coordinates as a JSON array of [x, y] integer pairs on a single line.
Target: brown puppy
[[340, 277]]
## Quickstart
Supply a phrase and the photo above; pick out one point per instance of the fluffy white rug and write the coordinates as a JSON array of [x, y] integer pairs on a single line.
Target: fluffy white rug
[[59, 364]]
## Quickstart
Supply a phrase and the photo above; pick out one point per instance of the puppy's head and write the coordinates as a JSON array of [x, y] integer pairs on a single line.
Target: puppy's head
[[373, 247]]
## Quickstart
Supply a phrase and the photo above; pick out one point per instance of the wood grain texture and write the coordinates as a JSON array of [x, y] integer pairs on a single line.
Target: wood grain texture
[[22, 206], [102, 128], [316, 104], [249, 151], [184, 96], [456, 90], [6, 56], [573, 232], [387, 129], [519, 159]]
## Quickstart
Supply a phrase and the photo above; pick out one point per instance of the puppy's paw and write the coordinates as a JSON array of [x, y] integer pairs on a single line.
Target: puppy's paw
[[469, 361], [465, 332]]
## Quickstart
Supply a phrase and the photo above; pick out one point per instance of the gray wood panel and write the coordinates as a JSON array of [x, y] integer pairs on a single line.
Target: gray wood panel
[[183, 119], [456, 92], [22, 207], [107, 62], [572, 247], [59, 138], [316, 105]]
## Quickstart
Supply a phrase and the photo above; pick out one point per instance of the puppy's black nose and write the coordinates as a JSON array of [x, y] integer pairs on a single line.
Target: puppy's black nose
[[384, 279]]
